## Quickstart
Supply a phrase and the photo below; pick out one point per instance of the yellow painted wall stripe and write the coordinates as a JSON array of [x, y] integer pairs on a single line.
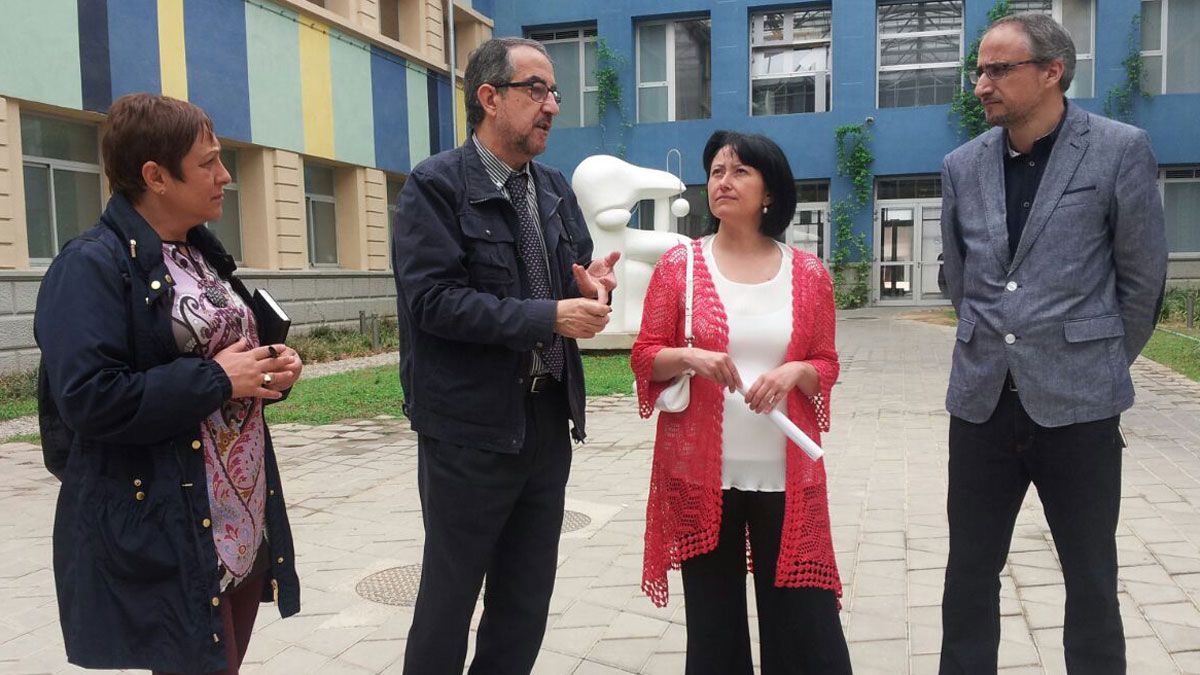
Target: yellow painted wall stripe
[[460, 102], [316, 88], [172, 54]]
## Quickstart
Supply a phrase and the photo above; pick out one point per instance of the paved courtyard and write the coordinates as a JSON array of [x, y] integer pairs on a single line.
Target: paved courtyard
[[354, 509]]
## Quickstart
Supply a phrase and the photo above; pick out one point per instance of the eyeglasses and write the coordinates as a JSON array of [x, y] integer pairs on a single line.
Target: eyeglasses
[[997, 71], [538, 91]]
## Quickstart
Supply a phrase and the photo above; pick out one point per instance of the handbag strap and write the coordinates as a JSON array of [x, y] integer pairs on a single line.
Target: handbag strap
[[687, 313]]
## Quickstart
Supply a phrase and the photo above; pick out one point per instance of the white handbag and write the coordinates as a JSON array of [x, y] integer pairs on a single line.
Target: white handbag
[[678, 394]]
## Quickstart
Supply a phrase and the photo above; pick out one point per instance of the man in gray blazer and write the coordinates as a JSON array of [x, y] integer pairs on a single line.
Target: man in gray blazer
[[1055, 258]]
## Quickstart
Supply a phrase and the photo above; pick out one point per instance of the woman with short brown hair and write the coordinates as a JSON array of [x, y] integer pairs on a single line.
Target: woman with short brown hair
[[171, 525]]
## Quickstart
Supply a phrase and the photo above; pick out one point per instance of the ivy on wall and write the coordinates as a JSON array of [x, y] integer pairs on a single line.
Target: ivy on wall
[[964, 107], [608, 92], [854, 160], [1118, 103]]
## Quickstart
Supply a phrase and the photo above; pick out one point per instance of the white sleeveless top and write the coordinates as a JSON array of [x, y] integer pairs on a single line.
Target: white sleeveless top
[[753, 449]]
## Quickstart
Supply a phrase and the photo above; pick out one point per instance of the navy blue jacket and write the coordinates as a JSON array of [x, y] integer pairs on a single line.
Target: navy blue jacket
[[134, 565], [468, 325]]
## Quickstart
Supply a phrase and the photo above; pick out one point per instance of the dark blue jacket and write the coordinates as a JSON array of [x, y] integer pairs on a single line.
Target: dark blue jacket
[[134, 565], [468, 327]]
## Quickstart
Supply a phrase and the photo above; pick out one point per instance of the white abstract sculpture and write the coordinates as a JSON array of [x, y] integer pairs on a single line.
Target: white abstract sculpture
[[607, 189]]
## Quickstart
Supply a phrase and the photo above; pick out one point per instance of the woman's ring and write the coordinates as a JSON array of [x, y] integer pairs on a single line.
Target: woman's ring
[[266, 379]]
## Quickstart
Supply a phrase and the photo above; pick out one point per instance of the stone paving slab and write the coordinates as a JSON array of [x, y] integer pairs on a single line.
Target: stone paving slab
[[354, 508]]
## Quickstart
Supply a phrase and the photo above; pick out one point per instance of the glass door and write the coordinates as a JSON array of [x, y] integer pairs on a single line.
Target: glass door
[[908, 253]]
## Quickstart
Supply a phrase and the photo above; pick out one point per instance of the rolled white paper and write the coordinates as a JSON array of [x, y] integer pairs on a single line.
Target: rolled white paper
[[793, 432]]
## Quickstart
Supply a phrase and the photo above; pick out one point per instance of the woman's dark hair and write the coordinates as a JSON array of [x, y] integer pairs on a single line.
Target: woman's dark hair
[[763, 154], [146, 128]]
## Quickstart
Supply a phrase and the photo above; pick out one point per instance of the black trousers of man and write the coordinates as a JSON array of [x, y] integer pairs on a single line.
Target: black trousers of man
[[495, 515], [1077, 472]]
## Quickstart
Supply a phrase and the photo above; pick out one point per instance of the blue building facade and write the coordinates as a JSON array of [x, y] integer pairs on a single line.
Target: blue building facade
[[688, 67]]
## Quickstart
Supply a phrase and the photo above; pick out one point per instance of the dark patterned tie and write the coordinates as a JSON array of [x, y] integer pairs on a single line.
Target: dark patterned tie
[[532, 250]]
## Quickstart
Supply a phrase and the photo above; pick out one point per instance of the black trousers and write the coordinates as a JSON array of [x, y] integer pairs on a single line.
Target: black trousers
[[1077, 472], [494, 515], [799, 630]]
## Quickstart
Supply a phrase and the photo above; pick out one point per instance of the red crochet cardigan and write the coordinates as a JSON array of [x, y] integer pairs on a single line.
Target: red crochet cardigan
[[683, 513]]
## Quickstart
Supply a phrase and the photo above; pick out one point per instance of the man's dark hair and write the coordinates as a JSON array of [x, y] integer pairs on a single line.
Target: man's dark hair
[[763, 154], [146, 128], [489, 64], [1048, 41]]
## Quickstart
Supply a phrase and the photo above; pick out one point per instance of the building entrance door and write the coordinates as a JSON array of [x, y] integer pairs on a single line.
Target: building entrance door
[[908, 253]]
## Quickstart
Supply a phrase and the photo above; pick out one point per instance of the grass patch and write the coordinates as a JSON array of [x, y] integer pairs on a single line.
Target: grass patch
[[1177, 353], [358, 394], [35, 439], [18, 395], [363, 394], [607, 374]]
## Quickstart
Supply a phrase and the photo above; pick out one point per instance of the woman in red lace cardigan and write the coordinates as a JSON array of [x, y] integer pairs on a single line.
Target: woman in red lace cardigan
[[725, 480]]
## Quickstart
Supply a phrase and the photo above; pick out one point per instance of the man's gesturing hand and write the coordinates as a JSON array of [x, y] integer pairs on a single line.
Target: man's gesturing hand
[[580, 317]]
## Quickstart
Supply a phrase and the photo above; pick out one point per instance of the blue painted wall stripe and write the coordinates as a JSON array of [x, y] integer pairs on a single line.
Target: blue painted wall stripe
[[94, 69], [445, 106], [435, 113], [389, 88], [216, 69], [133, 46]]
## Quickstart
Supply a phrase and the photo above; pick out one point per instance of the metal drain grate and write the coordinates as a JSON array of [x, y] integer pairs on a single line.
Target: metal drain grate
[[393, 586], [574, 520]]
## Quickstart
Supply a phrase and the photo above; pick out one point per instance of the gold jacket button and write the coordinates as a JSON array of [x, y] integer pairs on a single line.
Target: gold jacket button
[[195, 445], [279, 560], [271, 492], [216, 601], [139, 495], [206, 522], [168, 278], [155, 285], [137, 482], [216, 638]]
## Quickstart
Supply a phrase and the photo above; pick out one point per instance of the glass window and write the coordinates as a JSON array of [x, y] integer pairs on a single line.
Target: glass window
[[573, 53], [674, 67], [229, 228], [320, 207], [1171, 46], [809, 229], [62, 182], [920, 53], [790, 61], [394, 186], [1077, 16], [916, 187], [1181, 204]]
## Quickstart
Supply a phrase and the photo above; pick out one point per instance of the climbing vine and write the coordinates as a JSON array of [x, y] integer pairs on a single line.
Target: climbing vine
[[964, 107], [608, 92], [850, 253], [1118, 103]]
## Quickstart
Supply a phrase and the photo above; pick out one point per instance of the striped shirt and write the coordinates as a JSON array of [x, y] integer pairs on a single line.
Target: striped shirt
[[500, 172]]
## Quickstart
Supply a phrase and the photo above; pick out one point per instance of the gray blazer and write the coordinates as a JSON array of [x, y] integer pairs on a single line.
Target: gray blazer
[[1075, 306]]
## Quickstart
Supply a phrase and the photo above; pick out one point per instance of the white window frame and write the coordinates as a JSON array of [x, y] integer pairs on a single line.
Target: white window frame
[[233, 186], [309, 199], [583, 35], [826, 227], [1161, 52], [60, 165], [820, 77], [1163, 179], [1056, 13], [669, 83], [880, 36]]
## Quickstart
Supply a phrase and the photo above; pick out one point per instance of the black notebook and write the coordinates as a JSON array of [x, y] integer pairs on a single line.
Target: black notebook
[[273, 322]]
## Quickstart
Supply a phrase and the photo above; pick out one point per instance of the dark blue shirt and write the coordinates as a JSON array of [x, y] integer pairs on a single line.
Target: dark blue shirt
[[1022, 175]]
